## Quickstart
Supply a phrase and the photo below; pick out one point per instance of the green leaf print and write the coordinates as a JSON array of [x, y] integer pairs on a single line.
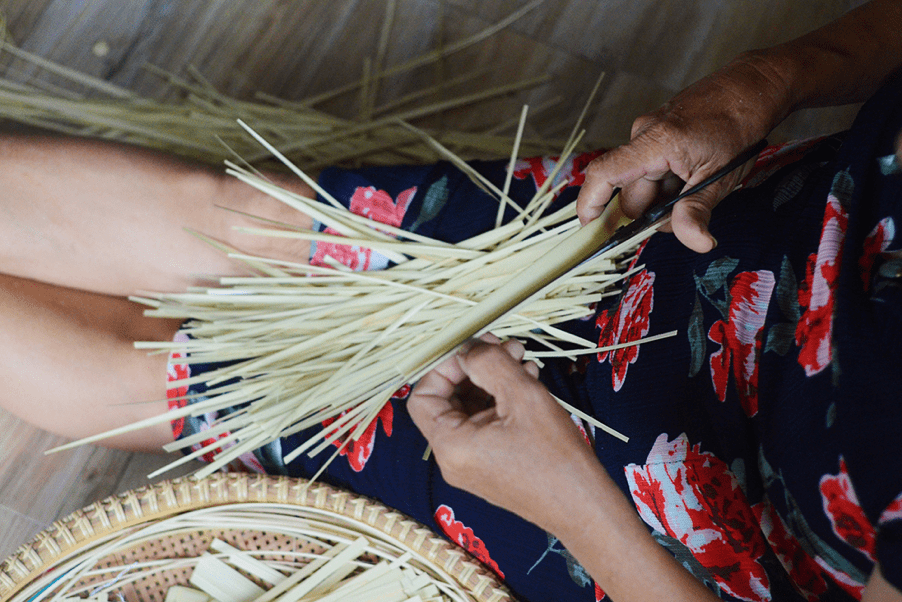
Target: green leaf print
[[781, 336], [697, 340], [433, 202], [714, 280]]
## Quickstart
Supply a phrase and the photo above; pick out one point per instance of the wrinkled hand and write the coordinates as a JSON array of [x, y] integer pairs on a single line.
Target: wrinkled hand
[[497, 433], [688, 139]]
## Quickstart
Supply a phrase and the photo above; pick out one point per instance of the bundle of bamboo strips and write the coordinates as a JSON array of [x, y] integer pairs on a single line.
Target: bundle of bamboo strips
[[304, 344], [200, 122]]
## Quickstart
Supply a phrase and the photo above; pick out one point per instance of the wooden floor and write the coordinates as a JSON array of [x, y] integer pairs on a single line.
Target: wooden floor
[[649, 49]]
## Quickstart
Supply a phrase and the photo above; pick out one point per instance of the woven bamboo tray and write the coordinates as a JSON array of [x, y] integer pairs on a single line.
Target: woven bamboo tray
[[85, 530]]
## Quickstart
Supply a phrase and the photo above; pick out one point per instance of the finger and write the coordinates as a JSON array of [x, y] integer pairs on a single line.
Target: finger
[[434, 415], [532, 369], [641, 124], [515, 348], [437, 384], [618, 168], [450, 369], [433, 405], [899, 150], [612, 170], [638, 196], [493, 370], [691, 216]]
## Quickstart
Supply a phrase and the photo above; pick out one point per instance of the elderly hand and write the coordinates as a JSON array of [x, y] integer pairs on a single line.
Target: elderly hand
[[497, 433], [688, 139]]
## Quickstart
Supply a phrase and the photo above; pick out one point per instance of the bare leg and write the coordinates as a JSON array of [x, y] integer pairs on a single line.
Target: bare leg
[[83, 224], [68, 364], [111, 218]]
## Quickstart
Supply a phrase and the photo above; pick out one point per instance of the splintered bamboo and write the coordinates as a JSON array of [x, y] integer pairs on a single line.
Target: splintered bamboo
[[321, 349], [333, 557], [200, 121]]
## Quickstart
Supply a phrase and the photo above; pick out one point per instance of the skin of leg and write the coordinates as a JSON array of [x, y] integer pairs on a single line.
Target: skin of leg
[[112, 218], [69, 365], [84, 223]]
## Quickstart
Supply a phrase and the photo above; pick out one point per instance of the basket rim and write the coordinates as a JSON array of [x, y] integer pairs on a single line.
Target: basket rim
[[65, 537]]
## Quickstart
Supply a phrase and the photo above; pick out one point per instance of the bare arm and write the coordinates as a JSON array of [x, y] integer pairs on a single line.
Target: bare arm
[[845, 61], [524, 454], [716, 118]]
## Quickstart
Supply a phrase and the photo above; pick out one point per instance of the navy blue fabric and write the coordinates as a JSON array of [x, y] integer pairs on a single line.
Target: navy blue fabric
[[782, 444]]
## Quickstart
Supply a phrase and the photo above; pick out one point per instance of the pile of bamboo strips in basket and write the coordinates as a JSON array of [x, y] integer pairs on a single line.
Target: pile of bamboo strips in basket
[[347, 560]]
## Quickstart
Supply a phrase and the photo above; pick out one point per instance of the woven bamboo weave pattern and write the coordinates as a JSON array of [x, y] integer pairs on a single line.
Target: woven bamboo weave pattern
[[106, 520]]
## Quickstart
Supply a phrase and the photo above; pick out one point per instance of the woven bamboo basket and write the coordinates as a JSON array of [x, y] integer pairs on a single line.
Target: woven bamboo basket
[[47, 558]]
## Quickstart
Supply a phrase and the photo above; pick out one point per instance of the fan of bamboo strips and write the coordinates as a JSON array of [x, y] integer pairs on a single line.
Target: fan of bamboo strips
[[303, 344], [139, 544]]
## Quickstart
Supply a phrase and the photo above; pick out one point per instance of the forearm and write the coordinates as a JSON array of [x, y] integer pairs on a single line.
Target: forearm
[[602, 529], [843, 62]]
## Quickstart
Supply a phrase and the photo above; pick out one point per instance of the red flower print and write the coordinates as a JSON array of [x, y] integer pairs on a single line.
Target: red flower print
[[402, 393], [878, 241], [892, 512], [635, 258], [210, 456], [803, 570], [176, 394], [599, 593], [740, 337], [842, 508], [463, 536], [588, 435], [773, 158], [693, 497], [629, 322], [359, 451], [540, 169], [377, 205], [816, 293], [852, 587], [246, 462]]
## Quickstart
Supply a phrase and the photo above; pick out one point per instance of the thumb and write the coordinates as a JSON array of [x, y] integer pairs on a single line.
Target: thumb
[[691, 215], [495, 371], [433, 406]]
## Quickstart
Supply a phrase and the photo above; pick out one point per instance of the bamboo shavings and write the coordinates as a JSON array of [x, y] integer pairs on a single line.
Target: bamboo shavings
[[336, 558], [305, 346], [200, 123]]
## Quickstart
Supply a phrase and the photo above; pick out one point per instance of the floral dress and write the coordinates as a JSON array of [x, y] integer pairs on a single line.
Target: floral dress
[[765, 448]]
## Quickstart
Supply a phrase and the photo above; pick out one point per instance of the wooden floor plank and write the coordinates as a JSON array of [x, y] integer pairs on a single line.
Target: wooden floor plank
[[139, 466], [37, 489], [17, 529]]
